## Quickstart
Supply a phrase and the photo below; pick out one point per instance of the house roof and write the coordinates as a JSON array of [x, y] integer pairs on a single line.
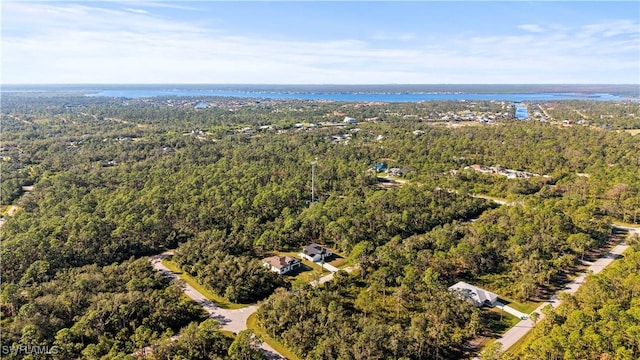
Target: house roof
[[477, 294], [313, 249], [279, 262], [398, 170]]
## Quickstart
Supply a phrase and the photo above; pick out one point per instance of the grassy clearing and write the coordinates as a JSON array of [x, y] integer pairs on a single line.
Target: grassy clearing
[[4, 209], [339, 262], [215, 298], [496, 327], [303, 275], [499, 321], [526, 307], [620, 223], [633, 132], [496, 282], [252, 323]]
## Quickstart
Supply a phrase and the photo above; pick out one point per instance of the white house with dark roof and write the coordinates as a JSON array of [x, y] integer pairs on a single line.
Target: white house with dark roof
[[281, 264], [477, 295], [315, 252]]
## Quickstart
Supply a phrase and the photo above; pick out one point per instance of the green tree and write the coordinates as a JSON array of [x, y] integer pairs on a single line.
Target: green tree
[[246, 346]]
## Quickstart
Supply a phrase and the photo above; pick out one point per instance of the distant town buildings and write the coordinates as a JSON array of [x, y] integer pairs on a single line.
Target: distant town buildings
[[395, 171], [509, 173]]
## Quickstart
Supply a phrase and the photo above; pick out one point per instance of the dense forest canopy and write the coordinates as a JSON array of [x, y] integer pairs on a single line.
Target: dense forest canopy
[[115, 180], [600, 321]]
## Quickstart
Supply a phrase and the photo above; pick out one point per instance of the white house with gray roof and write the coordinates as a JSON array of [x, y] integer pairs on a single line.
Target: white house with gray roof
[[477, 295], [315, 252]]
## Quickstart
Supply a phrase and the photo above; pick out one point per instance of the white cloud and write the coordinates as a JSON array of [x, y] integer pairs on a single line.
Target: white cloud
[[160, 4], [393, 36], [612, 28], [71, 43], [532, 28], [137, 11]]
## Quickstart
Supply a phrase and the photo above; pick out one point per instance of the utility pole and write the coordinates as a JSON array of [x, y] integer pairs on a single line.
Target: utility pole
[[313, 180]]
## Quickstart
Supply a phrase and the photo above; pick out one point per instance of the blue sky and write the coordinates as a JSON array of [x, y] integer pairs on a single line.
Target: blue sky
[[320, 42]]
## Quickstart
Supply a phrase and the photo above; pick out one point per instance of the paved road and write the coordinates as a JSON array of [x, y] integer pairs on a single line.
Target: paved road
[[522, 328], [231, 320]]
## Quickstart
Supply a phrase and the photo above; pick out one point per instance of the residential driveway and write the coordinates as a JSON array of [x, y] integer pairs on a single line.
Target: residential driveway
[[10, 212], [231, 320], [522, 328], [512, 311], [330, 267], [14, 208], [329, 277]]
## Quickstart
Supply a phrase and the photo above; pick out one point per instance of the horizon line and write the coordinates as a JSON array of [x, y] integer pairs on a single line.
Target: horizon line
[[329, 84]]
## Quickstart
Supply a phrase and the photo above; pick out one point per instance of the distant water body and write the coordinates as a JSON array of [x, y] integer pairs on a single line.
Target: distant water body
[[521, 112], [359, 96], [351, 93]]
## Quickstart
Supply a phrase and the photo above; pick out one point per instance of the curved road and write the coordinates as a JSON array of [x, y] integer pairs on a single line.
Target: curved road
[[522, 328], [14, 208], [231, 320]]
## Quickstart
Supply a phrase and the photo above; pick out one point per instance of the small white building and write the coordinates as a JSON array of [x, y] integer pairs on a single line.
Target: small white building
[[315, 253], [281, 264], [349, 120], [476, 295], [397, 172]]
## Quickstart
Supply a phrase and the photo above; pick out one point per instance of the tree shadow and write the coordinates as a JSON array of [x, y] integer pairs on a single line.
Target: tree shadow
[[494, 324]]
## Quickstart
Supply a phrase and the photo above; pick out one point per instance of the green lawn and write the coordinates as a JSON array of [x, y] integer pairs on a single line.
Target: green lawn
[[499, 321], [252, 323], [308, 272], [339, 262], [526, 307], [215, 298], [493, 283]]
